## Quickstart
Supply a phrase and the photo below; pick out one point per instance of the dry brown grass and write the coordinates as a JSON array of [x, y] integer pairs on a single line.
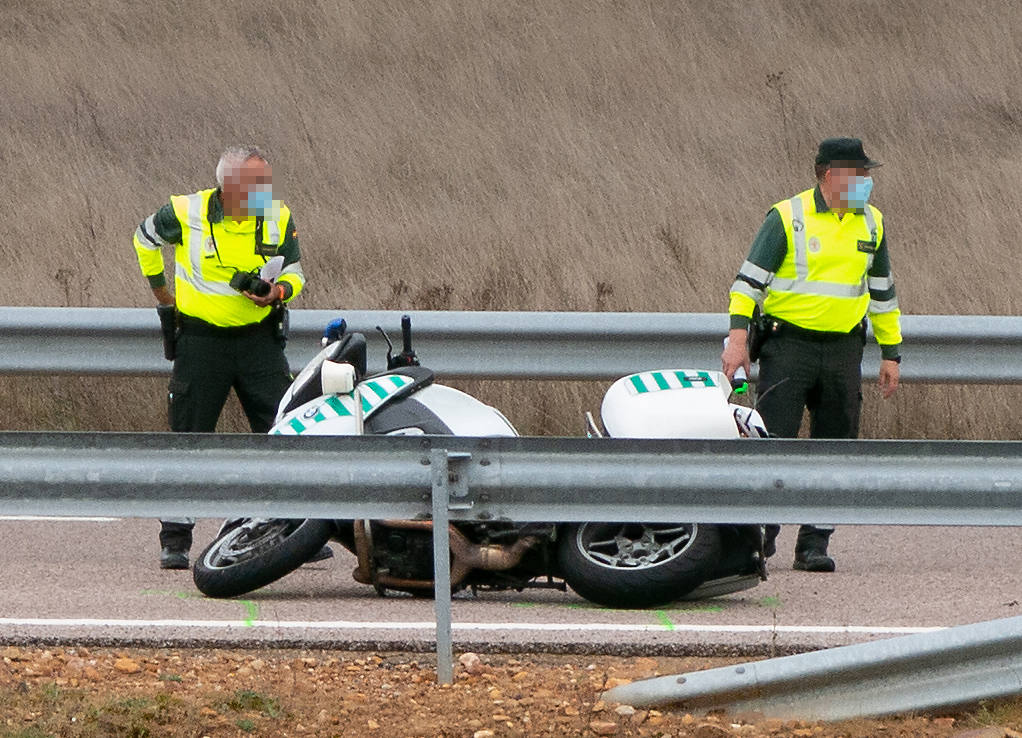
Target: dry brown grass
[[512, 156]]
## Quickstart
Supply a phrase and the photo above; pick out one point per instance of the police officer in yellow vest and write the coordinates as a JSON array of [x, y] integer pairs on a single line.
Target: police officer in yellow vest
[[818, 267], [229, 322]]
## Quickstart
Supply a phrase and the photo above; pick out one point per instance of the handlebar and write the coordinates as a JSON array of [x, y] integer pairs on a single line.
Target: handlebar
[[407, 356], [740, 381], [406, 336]]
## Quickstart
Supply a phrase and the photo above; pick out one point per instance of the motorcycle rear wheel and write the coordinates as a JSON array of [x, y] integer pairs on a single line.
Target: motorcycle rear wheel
[[257, 553], [637, 565]]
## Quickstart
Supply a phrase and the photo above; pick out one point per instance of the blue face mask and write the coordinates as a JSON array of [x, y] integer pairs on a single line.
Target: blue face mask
[[859, 190], [259, 200]]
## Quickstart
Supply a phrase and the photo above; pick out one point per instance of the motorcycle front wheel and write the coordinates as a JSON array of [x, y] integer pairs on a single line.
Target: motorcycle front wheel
[[256, 553], [636, 565]]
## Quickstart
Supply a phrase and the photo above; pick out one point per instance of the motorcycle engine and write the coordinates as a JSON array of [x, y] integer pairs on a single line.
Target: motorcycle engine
[[407, 552], [402, 552]]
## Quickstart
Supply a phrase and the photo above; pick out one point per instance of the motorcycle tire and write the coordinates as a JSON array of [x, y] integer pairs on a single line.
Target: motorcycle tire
[[257, 553], [637, 565]]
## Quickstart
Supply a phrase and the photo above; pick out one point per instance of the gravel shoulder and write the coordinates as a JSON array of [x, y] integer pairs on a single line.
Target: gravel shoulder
[[77, 691]]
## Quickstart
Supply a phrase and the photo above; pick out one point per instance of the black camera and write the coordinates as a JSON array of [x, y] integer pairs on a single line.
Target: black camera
[[250, 282]]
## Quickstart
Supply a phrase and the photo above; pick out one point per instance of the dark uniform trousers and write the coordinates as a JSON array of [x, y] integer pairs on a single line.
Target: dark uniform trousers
[[209, 362], [820, 372]]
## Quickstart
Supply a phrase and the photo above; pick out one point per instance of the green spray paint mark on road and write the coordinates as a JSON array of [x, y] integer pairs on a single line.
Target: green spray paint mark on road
[[664, 620], [771, 601], [253, 612], [251, 607]]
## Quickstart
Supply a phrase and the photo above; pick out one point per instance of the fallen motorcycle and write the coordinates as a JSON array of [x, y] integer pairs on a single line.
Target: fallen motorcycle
[[625, 565]]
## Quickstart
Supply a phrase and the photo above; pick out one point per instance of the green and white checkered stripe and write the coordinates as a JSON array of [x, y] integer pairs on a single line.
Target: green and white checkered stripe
[[640, 384], [375, 392]]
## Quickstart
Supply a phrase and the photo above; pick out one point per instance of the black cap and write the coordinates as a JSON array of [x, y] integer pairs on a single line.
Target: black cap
[[844, 150]]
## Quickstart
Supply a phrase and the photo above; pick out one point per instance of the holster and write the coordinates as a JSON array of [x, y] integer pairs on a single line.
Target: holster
[[758, 334], [281, 323], [168, 327]]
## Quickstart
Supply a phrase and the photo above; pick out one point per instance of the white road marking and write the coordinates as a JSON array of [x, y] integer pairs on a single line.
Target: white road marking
[[426, 625], [58, 518]]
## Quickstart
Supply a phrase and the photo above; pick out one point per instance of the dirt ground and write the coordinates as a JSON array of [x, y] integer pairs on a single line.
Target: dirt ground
[[201, 692]]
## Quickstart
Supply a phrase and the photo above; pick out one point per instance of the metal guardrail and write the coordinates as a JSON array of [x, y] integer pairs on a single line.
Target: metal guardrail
[[500, 345], [525, 479], [947, 668], [457, 478]]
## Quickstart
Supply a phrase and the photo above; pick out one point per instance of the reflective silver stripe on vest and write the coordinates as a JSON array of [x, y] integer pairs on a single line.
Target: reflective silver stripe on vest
[[296, 269], [871, 224], [880, 283], [271, 229], [147, 236], [801, 285], [744, 288], [205, 287], [798, 235], [886, 306], [756, 273], [197, 236], [826, 289], [144, 241]]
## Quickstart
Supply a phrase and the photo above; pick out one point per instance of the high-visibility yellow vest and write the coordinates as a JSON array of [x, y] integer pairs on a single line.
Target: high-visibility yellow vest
[[823, 284], [211, 253]]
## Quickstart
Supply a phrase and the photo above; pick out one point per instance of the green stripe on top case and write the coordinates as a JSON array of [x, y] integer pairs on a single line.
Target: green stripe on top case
[[661, 381], [637, 383], [683, 378], [337, 406], [707, 380], [297, 425], [375, 387]]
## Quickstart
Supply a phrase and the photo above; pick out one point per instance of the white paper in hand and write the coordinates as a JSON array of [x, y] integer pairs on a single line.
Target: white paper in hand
[[272, 269]]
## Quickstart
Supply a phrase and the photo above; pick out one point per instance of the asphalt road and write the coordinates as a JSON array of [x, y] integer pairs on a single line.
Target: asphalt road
[[98, 581]]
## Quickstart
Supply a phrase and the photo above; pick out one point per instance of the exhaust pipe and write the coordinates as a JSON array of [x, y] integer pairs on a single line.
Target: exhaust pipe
[[465, 555]]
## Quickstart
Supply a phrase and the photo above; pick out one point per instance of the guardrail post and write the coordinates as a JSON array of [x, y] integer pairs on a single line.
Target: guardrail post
[[449, 483]]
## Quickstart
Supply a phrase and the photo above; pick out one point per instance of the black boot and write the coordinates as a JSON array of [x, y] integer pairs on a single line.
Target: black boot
[[811, 550], [770, 539], [175, 542]]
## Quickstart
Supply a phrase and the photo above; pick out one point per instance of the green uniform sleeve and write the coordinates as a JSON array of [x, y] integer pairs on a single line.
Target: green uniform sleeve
[[765, 257], [883, 312], [292, 276], [159, 229]]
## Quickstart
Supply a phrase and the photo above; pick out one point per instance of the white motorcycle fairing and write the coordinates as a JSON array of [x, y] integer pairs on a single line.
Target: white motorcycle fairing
[[410, 402], [675, 403]]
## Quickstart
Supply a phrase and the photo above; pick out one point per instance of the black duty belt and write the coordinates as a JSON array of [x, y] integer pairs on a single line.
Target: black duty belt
[[199, 327], [777, 327]]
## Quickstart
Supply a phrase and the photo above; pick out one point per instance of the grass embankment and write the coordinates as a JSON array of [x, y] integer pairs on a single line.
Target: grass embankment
[[525, 156]]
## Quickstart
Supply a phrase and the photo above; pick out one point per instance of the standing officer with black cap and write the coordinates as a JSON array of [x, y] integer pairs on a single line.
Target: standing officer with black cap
[[818, 267]]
